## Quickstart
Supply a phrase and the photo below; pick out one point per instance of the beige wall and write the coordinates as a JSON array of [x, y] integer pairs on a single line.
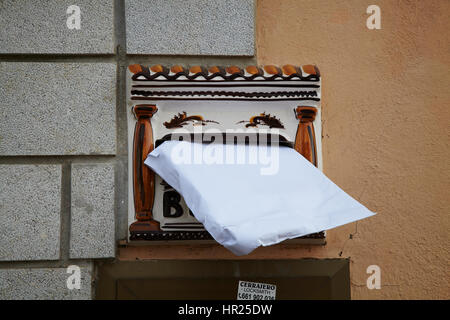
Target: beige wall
[[385, 139], [386, 119]]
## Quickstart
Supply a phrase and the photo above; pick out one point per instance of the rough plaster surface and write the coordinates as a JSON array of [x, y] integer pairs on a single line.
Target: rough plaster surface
[[44, 284], [385, 130], [39, 26], [194, 27], [92, 213], [29, 212], [57, 108], [385, 137]]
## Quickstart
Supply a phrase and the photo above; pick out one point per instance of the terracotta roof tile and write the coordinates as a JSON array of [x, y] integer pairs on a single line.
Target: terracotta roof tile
[[269, 72]]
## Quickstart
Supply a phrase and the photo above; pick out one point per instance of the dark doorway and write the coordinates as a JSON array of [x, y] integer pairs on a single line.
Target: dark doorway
[[218, 279]]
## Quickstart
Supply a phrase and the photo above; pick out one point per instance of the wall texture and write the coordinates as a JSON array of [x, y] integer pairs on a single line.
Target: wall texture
[[63, 131], [385, 130], [385, 137]]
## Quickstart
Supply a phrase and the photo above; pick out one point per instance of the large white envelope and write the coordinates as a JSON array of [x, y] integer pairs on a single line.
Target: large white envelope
[[243, 208]]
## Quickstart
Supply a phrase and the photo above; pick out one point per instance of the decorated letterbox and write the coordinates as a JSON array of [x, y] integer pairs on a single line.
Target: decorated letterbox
[[167, 100]]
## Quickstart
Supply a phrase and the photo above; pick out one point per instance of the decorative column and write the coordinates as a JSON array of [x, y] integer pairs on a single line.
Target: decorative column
[[143, 176], [305, 139]]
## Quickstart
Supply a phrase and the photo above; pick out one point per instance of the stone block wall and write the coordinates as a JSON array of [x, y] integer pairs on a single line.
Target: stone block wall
[[63, 129]]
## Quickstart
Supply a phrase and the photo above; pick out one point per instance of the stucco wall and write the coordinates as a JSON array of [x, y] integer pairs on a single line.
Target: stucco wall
[[385, 130], [385, 137]]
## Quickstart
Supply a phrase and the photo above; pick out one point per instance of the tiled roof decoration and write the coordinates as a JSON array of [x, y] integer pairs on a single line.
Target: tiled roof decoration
[[215, 73]]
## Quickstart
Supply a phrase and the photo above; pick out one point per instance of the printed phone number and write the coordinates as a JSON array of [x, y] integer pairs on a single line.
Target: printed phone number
[[249, 296]]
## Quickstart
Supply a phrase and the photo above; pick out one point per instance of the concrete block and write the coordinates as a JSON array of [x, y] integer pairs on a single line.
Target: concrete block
[[92, 232], [57, 108], [30, 204], [44, 284], [40, 27], [194, 27]]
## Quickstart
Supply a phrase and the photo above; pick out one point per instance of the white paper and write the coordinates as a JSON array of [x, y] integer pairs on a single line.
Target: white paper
[[242, 208], [248, 290]]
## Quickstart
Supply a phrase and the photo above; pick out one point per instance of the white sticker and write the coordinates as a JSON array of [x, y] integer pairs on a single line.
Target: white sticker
[[256, 291]]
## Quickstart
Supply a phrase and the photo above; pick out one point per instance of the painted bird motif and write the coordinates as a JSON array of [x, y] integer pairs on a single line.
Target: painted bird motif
[[182, 119], [263, 119]]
